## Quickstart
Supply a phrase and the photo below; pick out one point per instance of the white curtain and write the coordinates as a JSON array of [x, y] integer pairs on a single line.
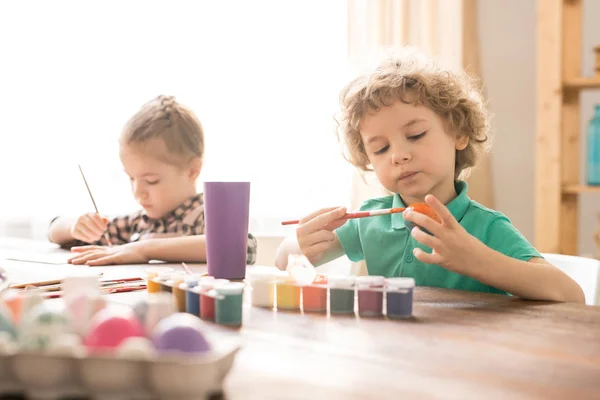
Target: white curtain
[[263, 77]]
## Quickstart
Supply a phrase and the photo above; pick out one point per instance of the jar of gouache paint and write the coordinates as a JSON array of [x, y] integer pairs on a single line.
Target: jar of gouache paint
[[207, 297], [151, 274], [178, 294], [228, 303], [370, 295], [314, 297], [341, 294], [288, 293], [192, 299], [399, 296], [161, 279], [262, 284]]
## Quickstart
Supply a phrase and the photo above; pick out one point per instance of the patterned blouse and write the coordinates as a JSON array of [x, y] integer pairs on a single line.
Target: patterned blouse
[[185, 220]]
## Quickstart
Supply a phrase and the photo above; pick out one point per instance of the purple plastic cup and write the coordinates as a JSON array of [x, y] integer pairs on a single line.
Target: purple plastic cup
[[226, 214]]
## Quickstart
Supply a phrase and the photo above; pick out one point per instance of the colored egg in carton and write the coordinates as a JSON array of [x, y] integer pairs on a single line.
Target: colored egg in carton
[[80, 346]]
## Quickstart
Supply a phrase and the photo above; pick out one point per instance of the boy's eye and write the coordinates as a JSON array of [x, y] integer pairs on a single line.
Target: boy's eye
[[382, 150], [152, 182], [417, 137]]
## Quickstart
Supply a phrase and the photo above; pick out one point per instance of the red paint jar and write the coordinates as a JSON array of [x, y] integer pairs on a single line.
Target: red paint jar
[[370, 295], [207, 299]]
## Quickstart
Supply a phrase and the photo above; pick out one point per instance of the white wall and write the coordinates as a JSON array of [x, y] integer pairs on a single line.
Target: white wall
[[508, 61]]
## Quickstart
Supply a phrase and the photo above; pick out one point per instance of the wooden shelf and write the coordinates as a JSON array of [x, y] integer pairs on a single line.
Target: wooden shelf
[[582, 83], [575, 189]]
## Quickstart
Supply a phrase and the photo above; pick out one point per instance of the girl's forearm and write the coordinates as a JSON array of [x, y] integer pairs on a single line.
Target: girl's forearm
[[59, 231], [178, 249]]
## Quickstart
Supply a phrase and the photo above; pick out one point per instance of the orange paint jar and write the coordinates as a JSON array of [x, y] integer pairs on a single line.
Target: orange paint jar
[[314, 298]]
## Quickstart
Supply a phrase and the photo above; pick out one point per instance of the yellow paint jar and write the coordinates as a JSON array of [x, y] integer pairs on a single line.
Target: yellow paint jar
[[151, 274], [178, 294], [288, 293]]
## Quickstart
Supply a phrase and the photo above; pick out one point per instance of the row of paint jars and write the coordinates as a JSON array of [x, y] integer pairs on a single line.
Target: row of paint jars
[[215, 300], [280, 290]]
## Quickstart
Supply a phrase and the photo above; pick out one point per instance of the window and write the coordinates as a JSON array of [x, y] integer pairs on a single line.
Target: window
[[262, 76]]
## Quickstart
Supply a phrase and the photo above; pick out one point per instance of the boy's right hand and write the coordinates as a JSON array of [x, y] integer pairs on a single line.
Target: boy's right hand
[[89, 227], [315, 231]]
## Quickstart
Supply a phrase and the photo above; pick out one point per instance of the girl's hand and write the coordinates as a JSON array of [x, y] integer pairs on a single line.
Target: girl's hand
[[452, 245], [100, 255], [89, 227], [315, 231]]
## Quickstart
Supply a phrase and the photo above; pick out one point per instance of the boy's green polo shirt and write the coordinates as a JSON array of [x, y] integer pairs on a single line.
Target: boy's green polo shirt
[[386, 245]]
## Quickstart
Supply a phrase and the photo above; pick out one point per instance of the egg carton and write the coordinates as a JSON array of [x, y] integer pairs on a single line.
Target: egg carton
[[133, 375]]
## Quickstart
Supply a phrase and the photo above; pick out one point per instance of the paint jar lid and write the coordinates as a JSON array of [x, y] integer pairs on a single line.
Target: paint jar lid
[[285, 277], [165, 275], [370, 281], [205, 284], [230, 288], [341, 281], [155, 271], [261, 275], [400, 283], [192, 278]]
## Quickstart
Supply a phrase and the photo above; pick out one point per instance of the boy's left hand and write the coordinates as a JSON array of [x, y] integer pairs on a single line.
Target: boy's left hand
[[452, 246], [102, 255]]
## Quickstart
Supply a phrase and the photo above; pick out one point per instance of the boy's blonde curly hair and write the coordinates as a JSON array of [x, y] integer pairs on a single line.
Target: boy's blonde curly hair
[[409, 76], [177, 125]]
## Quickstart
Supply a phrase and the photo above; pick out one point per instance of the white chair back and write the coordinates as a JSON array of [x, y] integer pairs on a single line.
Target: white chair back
[[584, 271]]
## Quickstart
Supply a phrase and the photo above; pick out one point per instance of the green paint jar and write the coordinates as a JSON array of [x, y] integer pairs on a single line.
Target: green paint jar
[[341, 294], [228, 303]]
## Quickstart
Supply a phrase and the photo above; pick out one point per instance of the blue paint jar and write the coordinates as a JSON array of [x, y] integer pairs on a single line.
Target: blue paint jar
[[399, 297], [341, 294], [192, 298], [228, 303]]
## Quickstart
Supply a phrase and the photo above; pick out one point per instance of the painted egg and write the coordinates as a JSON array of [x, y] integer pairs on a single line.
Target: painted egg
[[6, 322], [180, 332], [67, 344], [31, 298], [159, 306], [14, 303], [42, 326], [110, 327], [7, 344], [140, 309], [82, 305], [137, 348], [422, 209]]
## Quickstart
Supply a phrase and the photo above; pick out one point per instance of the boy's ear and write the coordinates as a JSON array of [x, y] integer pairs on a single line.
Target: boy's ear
[[195, 168], [462, 142]]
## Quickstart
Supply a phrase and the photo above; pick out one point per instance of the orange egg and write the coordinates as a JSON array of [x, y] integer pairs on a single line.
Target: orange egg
[[424, 209]]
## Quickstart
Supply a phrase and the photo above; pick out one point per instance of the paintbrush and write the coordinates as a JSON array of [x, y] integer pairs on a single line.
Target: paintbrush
[[103, 285], [187, 269], [418, 207], [106, 236], [121, 289]]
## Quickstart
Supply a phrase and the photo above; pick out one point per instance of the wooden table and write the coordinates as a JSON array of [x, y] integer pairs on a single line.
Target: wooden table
[[459, 345]]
